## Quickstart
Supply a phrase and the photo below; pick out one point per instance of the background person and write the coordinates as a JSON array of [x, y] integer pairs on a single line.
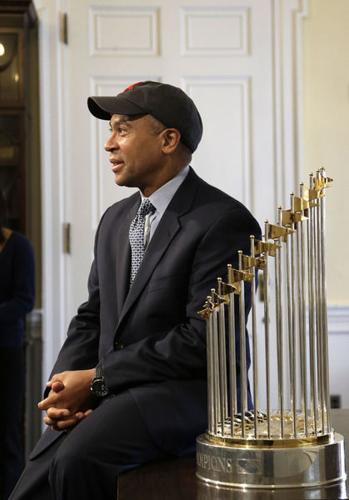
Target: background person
[[16, 300]]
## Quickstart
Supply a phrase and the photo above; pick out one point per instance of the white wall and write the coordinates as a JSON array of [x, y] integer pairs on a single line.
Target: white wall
[[326, 108], [326, 140]]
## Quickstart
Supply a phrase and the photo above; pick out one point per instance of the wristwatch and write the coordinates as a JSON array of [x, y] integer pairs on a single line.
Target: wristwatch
[[98, 386]]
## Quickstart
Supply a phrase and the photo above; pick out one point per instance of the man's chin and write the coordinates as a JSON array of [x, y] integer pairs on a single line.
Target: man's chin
[[121, 181], [118, 179]]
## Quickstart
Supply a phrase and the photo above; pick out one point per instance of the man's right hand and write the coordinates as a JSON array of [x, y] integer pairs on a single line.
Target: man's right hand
[[61, 420]]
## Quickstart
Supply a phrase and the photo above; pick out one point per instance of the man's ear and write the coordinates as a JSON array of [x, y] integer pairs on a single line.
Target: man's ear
[[170, 140]]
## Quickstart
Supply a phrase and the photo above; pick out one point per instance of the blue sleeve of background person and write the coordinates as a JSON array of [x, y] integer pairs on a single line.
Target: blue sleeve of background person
[[23, 290]]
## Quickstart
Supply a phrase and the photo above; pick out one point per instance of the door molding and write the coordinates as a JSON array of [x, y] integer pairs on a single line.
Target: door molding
[[288, 17], [52, 181]]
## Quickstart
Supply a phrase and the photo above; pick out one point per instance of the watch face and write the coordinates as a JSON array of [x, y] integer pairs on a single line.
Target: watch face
[[98, 387]]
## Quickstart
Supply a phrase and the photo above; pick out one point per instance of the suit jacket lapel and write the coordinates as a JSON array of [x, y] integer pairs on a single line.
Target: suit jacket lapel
[[157, 246], [164, 234]]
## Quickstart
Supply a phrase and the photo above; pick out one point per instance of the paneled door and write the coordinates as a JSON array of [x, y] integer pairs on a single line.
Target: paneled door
[[234, 57]]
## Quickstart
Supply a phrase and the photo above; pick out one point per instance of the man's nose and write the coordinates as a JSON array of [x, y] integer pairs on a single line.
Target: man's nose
[[111, 143]]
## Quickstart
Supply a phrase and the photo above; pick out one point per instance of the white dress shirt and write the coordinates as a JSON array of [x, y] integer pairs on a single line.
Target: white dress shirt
[[160, 199]]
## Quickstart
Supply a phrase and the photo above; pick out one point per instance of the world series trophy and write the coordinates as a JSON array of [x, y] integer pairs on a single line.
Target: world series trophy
[[285, 439]]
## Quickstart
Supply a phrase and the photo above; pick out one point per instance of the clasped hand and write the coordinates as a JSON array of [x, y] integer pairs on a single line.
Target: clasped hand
[[69, 400]]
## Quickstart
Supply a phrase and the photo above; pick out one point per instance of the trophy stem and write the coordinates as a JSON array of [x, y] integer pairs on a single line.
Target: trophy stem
[[210, 376], [279, 339], [266, 334], [217, 399], [232, 358], [324, 307], [222, 359], [293, 352], [254, 336], [243, 352], [312, 350]]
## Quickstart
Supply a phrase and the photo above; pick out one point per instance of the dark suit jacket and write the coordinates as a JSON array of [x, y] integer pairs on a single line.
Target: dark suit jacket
[[150, 339]]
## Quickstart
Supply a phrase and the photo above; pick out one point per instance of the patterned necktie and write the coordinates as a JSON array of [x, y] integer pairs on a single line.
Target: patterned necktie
[[136, 236]]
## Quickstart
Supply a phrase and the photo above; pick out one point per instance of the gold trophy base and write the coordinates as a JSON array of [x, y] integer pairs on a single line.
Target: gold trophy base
[[242, 466]]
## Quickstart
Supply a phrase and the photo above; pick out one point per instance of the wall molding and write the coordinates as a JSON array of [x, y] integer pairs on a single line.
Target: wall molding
[[338, 319], [287, 20], [51, 185]]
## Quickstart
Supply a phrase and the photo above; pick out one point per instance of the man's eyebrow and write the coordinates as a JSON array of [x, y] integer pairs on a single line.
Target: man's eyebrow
[[126, 119], [118, 121]]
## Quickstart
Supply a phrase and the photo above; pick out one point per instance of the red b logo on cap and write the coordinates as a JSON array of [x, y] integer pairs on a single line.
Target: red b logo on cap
[[131, 87]]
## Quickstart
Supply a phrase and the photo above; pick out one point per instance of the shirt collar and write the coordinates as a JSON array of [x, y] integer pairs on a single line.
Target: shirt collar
[[162, 196]]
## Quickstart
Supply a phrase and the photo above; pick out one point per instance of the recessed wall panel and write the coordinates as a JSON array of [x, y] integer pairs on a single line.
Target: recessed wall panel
[[214, 31], [118, 31], [224, 107]]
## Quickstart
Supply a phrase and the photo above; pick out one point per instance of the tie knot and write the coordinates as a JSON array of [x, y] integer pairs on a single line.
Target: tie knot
[[146, 208]]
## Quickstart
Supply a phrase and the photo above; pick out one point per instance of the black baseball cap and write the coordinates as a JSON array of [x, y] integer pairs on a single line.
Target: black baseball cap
[[168, 104]]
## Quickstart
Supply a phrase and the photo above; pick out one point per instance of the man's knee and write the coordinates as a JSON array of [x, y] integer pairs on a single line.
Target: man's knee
[[79, 472], [67, 461]]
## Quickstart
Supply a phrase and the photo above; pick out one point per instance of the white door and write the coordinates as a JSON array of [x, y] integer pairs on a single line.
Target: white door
[[226, 54]]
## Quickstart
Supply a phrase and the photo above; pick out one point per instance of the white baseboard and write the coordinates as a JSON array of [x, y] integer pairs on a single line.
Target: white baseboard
[[338, 319]]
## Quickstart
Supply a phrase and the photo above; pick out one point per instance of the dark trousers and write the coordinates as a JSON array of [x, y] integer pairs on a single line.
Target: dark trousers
[[11, 418], [84, 463]]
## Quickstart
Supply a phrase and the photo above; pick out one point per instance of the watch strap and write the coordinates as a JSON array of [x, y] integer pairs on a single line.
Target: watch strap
[[99, 372], [98, 386]]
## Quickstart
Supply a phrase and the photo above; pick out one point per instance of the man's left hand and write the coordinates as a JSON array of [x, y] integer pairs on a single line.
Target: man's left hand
[[75, 396]]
